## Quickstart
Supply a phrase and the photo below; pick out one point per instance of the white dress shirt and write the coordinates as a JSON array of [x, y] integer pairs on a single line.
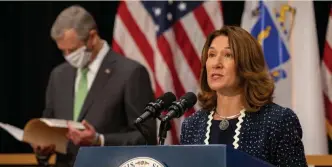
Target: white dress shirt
[[93, 67]]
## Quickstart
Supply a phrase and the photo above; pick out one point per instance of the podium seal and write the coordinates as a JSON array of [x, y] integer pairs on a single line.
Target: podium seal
[[142, 162]]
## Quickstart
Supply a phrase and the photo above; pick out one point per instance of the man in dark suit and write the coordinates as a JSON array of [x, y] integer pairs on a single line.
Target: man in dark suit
[[104, 90]]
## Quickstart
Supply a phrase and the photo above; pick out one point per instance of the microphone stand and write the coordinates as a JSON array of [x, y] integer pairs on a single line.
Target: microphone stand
[[163, 128]]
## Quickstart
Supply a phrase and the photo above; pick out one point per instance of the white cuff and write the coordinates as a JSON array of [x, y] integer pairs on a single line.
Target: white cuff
[[102, 140]]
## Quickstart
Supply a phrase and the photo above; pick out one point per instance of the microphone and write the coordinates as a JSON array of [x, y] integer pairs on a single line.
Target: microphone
[[178, 108], [153, 109]]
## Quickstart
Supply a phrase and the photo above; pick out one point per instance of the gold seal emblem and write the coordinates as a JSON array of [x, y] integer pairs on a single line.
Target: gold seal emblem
[[142, 162]]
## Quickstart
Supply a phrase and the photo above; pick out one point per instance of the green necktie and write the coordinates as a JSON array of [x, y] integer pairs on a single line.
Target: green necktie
[[81, 93]]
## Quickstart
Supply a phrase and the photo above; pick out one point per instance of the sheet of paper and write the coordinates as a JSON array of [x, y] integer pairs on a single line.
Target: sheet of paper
[[60, 123], [47, 132], [17, 133], [44, 131]]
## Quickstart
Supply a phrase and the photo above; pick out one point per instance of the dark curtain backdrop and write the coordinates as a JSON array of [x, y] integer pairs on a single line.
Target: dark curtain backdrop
[[28, 54]]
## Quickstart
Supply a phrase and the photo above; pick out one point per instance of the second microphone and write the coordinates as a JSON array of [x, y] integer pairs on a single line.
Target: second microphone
[[154, 109], [178, 108]]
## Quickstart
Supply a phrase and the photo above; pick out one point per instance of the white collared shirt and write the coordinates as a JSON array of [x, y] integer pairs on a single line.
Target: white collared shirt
[[94, 66], [92, 73]]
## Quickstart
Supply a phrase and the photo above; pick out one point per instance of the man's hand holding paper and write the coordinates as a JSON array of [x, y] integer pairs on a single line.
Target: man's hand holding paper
[[86, 137]]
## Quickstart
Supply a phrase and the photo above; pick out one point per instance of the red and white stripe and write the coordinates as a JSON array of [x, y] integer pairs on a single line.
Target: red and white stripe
[[327, 72], [173, 59]]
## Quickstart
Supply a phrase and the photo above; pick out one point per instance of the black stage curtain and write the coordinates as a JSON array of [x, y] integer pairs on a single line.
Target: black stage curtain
[[28, 54]]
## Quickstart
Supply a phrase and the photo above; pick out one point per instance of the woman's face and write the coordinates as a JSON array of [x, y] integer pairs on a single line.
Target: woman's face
[[220, 66]]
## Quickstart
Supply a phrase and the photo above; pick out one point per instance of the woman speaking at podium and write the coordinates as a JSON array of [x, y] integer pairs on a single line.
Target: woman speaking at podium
[[236, 99]]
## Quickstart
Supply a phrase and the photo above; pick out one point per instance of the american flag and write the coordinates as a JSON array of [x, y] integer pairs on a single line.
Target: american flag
[[327, 76], [167, 37]]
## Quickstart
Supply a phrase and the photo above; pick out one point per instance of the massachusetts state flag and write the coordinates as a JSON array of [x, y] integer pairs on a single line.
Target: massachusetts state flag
[[167, 37], [286, 31]]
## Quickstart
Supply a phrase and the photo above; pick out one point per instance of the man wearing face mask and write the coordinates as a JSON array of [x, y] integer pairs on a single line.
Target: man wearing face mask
[[96, 86]]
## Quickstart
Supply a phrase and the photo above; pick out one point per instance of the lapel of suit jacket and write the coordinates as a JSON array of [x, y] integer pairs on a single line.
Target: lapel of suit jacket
[[104, 73], [68, 90]]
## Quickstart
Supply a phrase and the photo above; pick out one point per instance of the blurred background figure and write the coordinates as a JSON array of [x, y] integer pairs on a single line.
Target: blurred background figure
[[104, 90]]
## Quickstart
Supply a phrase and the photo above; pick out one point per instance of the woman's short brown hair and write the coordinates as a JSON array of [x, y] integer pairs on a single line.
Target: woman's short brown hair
[[257, 84]]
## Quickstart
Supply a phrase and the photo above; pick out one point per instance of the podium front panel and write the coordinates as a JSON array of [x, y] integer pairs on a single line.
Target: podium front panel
[[169, 156], [164, 156]]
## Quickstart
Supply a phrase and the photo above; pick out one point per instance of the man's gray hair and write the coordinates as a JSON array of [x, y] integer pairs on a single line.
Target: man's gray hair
[[74, 17]]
